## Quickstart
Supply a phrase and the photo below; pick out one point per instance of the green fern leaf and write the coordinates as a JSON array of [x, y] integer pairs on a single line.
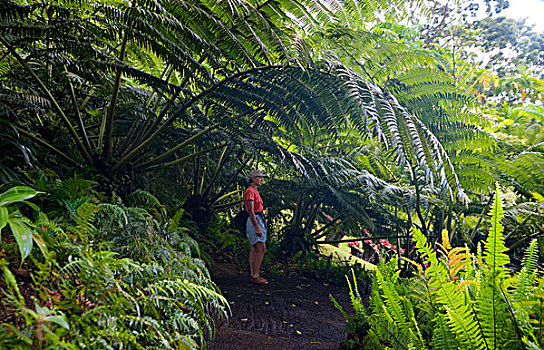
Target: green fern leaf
[[494, 247]]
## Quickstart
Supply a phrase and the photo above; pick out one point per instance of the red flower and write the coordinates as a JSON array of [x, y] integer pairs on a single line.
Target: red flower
[[328, 217]]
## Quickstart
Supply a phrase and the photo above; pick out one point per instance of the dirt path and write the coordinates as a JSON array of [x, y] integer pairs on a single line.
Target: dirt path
[[292, 312]]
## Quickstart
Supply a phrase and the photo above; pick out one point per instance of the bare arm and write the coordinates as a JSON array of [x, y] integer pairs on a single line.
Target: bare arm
[[251, 213]]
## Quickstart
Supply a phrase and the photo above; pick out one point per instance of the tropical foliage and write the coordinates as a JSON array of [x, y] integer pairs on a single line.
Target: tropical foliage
[[457, 299], [131, 126], [186, 84], [146, 289]]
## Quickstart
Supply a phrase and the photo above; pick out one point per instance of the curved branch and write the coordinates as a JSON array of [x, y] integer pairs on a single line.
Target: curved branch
[[180, 145], [141, 168], [80, 124]]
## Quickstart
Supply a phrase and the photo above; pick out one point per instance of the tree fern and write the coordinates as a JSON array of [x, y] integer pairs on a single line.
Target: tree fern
[[185, 35]]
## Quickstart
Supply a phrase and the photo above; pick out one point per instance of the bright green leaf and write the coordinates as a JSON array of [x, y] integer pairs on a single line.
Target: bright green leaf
[[4, 214], [20, 335], [10, 280], [32, 205], [17, 194], [23, 236], [40, 242], [60, 320]]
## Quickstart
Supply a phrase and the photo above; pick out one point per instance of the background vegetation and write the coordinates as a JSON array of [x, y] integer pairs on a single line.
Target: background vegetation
[[128, 128]]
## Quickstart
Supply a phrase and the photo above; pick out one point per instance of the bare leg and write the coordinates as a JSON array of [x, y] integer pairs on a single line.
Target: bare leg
[[252, 255], [255, 260]]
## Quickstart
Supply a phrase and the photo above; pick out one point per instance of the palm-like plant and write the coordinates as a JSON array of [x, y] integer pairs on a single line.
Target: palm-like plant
[[156, 84], [389, 55]]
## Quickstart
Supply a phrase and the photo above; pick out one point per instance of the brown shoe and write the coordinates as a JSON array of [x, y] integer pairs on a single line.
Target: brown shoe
[[258, 280]]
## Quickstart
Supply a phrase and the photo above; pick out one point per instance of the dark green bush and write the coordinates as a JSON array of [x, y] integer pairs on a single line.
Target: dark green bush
[[112, 276]]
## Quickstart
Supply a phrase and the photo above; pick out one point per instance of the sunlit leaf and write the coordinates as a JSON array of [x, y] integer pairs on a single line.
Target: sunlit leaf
[[4, 214], [17, 194], [60, 320], [40, 242], [23, 236]]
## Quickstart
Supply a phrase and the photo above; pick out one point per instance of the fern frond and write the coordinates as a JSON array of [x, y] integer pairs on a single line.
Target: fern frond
[[460, 317], [524, 279], [118, 214], [494, 256], [496, 327], [442, 337], [84, 219], [400, 309]]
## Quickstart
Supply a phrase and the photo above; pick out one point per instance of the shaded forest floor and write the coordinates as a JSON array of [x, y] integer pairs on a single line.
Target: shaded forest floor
[[292, 312]]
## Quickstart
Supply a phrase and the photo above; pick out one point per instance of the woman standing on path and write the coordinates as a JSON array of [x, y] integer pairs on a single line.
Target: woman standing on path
[[255, 226]]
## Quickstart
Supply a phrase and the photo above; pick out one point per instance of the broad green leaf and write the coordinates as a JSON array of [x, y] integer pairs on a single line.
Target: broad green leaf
[[4, 214], [23, 236], [59, 319], [40, 242], [32, 205], [16, 194]]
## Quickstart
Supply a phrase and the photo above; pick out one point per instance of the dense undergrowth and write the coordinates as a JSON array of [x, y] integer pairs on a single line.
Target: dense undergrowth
[[455, 299], [118, 274]]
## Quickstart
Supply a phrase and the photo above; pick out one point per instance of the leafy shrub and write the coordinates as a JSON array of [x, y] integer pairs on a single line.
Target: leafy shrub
[[112, 277], [22, 228], [358, 332], [221, 239], [458, 300]]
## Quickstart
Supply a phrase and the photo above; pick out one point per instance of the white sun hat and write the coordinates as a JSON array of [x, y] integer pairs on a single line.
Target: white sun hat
[[256, 172]]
